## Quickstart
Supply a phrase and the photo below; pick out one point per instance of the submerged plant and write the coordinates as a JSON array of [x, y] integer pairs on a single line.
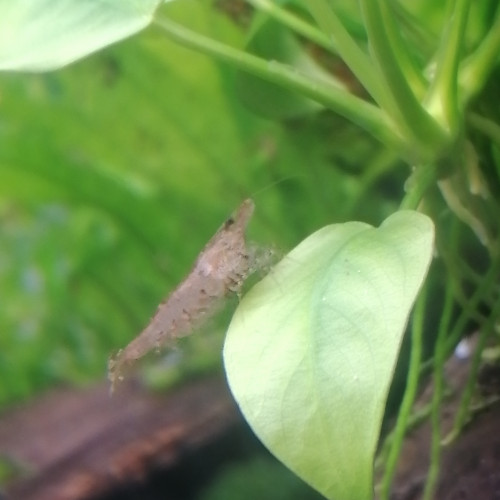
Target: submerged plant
[[311, 351]]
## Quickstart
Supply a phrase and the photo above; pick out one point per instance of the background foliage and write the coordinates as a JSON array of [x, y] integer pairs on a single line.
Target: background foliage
[[115, 171]]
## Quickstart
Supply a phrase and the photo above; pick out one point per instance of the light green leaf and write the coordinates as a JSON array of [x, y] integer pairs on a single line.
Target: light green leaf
[[311, 349], [39, 35]]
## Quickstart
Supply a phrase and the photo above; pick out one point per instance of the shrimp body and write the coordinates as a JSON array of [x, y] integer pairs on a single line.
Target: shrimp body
[[221, 268]]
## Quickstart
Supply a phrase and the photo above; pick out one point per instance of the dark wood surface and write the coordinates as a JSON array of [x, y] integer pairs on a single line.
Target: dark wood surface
[[77, 444], [82, 444]]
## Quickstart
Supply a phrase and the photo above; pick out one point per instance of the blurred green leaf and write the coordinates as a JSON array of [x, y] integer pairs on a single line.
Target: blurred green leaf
[[39, 35], [311, 368]]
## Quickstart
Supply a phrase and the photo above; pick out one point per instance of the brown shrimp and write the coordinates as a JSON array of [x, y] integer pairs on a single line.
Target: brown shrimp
[[221, 268]]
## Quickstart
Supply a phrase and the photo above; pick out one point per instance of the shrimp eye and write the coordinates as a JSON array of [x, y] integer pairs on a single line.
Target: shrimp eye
[[229, 222]]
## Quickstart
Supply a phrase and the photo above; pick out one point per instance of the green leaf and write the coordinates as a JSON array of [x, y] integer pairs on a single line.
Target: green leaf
[[311, 349], [39, 35]]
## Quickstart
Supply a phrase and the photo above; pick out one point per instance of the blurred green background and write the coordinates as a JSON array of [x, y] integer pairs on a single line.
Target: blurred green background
[[114, 173]]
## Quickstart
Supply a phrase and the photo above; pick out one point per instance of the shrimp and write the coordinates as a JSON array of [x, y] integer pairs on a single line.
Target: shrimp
[[221, 268]]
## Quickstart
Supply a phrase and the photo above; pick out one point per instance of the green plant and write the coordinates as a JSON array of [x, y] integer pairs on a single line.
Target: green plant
[[321, 334]]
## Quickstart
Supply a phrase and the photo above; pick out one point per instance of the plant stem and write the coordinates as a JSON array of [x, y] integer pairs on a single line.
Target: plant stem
[[351, 107], [358, 62], [417, 34], [438, 393], [486, 126], [478, 67], [409, 395], [463, 410], [416, 186], [408, 113], [481, 291], [294, 22], [443, 96], [458, 273], [412, 74]]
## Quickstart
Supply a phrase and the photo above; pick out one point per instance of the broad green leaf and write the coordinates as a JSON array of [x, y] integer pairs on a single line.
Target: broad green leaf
[[40, 35], [311, 349]]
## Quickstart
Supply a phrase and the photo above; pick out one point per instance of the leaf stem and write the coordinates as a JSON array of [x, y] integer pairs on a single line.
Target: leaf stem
[[442, 100], [417, 34], [417, 185], [405, 61], [408, 112], [459, 274], [478, 67], [351, 107], [488, 127], [357, 60], [409, 395], [481, 291], [438, 392], [294, 22], [463, 410]]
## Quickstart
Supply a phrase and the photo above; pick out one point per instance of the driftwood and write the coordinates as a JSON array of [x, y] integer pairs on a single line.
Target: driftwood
[[470, 467], [80, 444]]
